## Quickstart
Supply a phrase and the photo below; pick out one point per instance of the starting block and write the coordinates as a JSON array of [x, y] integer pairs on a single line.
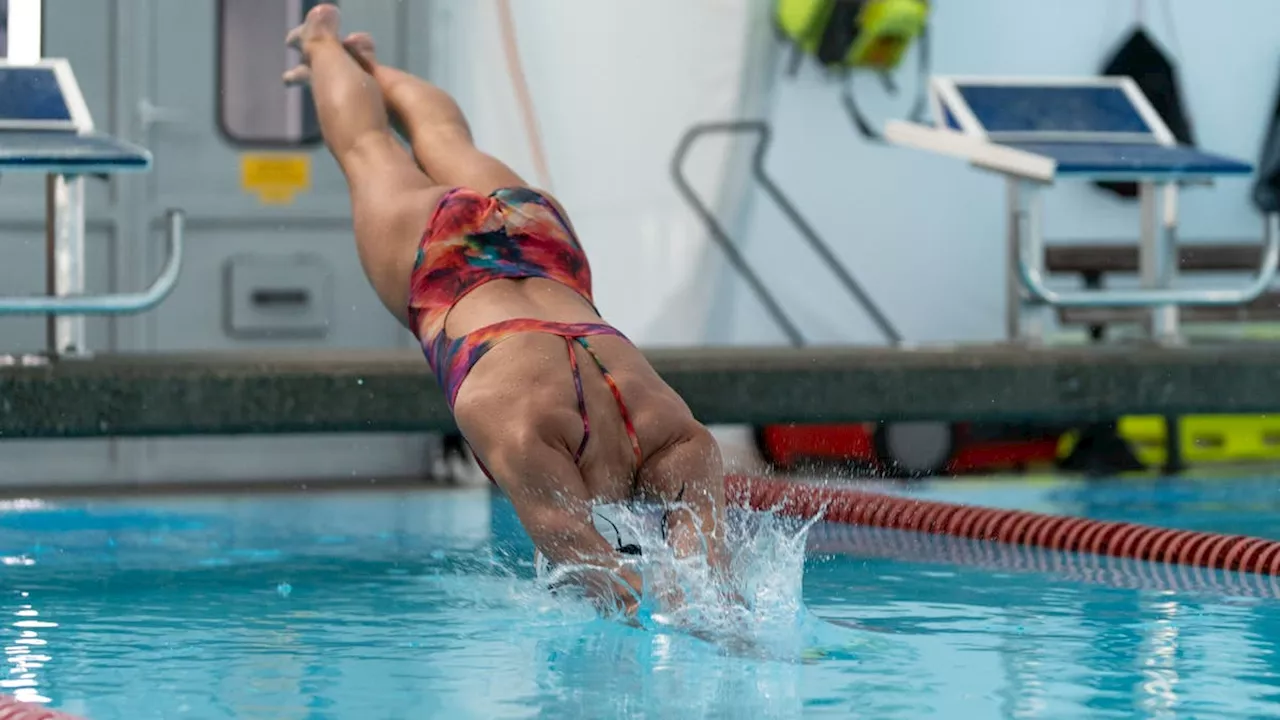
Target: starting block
[[46, 127], [1035, 131]]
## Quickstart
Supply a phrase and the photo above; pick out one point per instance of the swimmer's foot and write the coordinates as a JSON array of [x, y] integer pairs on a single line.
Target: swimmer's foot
[[360, 46], [321, 24]]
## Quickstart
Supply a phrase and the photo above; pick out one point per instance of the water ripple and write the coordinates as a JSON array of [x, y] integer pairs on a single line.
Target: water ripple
[[187, 619]]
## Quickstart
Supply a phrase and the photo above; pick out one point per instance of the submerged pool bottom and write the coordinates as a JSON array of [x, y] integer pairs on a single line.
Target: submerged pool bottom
[[414, 605]]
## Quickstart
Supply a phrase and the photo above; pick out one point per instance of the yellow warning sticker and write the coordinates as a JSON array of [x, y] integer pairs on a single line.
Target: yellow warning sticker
[[276, 178]]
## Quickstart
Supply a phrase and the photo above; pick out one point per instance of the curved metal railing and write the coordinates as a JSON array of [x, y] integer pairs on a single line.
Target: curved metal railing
[[115, 304], [762, 130]]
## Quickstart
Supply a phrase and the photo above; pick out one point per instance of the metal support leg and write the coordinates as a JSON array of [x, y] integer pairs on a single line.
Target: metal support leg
[[1014, 297], [69, 262], [1154, 261], [1028, 243], [1168, 322], [51, 260], [1148, 255], [64, 260], [1093, 282], [1157, 254]]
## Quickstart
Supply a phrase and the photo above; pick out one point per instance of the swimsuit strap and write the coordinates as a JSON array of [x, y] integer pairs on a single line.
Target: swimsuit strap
[[582, 404], [617, 396], [471, 347], [582, 401]]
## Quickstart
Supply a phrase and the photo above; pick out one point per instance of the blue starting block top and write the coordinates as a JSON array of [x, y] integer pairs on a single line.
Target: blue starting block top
[[69, 153], [1095, 159], [1098, 127], [45, 125]]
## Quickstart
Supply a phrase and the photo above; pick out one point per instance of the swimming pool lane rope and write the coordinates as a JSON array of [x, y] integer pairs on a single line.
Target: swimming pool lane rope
[[14, 709], [1116, 572], [1232, 553]]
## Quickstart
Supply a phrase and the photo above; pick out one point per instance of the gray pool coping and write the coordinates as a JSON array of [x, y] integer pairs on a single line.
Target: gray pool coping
[[393, 391]]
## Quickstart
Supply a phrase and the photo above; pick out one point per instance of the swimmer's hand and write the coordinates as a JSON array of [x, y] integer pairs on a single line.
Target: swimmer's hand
[[631, 617], [729, 596], [671, 600]]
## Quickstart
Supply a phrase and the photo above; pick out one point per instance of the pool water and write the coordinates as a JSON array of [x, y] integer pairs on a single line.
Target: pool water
[[424, 604]]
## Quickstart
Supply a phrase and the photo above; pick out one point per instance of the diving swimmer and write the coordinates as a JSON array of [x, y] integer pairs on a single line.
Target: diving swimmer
[[560, 410]]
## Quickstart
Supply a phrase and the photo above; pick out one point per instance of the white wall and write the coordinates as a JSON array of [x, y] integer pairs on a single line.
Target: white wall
[[615, 86], [925, 235]]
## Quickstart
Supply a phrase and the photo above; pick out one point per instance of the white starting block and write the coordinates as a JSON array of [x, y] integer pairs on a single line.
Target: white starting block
[[45, 127], [1035, 131]]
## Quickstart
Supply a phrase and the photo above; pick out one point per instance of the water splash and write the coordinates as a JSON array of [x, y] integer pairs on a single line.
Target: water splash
[[767, 556]]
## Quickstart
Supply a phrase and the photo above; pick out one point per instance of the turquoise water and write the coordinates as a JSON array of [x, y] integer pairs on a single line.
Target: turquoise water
[[423, 604]]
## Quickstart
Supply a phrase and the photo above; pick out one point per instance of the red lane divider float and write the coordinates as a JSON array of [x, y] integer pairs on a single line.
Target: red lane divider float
[[14, 709], [1237, 553], [1119, 572]]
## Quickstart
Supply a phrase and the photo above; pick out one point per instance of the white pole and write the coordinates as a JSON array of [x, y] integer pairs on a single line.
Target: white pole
[[25, 26]]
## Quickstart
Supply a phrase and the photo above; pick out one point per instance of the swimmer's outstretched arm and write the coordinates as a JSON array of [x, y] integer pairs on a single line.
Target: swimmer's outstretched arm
[[686, 474], [554, 506]]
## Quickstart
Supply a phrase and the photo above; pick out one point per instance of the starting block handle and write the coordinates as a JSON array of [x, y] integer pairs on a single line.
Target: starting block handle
[[119, 304], [1034, 281], [713, 226], [764, 139]]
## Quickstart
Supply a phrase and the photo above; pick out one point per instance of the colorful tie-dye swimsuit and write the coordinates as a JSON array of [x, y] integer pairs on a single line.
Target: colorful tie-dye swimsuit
[[509, 234]]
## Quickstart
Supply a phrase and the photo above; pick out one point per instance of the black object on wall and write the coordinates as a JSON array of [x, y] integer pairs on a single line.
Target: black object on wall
[[1266, 190], [1142, 59]]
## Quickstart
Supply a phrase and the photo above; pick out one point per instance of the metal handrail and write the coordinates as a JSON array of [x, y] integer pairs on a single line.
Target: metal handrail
[[718, 233], [118, 304], [1034, 281]]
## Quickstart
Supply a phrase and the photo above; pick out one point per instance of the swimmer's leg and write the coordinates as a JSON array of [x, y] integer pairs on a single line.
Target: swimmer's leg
[[391, 198], [434, 125]]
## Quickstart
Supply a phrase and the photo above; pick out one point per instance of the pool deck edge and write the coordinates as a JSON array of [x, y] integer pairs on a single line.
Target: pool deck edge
[[389, 391]]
